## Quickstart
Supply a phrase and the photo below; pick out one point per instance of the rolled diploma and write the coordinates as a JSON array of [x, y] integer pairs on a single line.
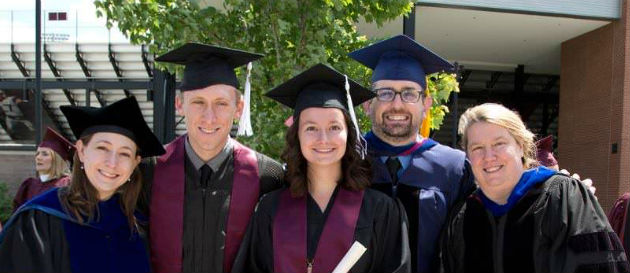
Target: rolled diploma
[[352, 256]]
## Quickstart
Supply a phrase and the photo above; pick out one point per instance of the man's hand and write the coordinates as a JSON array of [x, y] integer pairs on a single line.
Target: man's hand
[[587, 182]]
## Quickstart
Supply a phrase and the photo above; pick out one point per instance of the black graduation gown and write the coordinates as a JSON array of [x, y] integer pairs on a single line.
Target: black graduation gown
[[557, 226], [206, 211], [205, 215], [35, 242], [380, 227]]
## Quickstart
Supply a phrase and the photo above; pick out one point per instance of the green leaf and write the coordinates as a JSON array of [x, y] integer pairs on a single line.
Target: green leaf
[[293, 36]]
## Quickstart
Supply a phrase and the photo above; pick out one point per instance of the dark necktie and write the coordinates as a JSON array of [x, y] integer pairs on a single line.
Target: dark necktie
[[393, 166], [206, 173]]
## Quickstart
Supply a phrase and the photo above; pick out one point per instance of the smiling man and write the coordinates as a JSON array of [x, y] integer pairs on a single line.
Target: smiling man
[[427, 177], [205, 187]]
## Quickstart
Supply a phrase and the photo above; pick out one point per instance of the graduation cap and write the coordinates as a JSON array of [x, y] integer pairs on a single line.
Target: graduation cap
[[322, 86], [122, 117], [57, 143], [207, 65], [319, 86], [401, 58], [544, 151]]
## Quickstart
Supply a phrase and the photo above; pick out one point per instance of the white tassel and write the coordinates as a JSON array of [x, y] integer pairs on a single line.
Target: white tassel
[[245, 122], [361, 142]]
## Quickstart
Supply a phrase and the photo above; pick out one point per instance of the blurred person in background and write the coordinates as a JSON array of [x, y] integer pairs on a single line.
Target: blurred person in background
[[92, 224], [51, 166]]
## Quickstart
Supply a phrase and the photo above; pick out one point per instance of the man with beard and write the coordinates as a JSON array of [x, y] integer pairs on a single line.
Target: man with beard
[[427, 177]]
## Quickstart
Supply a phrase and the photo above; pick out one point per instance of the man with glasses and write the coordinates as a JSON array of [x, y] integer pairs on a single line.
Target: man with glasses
[[427, 177]]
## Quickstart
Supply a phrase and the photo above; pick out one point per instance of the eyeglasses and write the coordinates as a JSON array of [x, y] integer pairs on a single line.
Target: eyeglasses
[[406, 95]]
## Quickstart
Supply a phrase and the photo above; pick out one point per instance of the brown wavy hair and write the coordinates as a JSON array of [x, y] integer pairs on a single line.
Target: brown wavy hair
[[80, 198], [356, 171]]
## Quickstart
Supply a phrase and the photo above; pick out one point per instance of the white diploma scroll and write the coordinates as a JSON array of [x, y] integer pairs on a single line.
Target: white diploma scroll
[[352, 256]]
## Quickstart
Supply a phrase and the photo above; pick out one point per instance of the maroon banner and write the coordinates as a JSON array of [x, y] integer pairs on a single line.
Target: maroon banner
[[289, 232], [243, 199], [166, 216]]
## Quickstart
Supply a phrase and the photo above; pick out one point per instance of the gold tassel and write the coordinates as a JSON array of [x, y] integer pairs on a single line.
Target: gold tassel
[[425, 129]]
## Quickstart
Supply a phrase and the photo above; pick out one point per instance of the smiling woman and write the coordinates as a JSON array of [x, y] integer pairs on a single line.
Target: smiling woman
[[91, 225], [328, 207], [523, 217]]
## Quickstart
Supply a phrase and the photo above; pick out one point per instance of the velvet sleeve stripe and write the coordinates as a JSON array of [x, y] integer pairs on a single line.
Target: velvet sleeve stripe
[[621, 266], [595, 242]]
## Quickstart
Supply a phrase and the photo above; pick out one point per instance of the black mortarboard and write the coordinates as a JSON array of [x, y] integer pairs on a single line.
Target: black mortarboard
[[319, 86], [401, 58], [122, 117], [57, 143], [207, 65]]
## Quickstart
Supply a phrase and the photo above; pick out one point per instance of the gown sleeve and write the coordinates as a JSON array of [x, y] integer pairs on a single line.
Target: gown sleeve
[[34, 242], [147, 166], [617, 214], [271, 174], [20, 195], [391, 249], [256, 251], [577, 232], [467, 183]]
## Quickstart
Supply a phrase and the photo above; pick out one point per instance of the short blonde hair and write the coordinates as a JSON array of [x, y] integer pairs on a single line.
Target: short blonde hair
[[239, 95], [498, 114], [58, 166]]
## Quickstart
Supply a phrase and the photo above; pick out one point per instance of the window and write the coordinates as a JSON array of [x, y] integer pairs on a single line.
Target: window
[[57, 16]]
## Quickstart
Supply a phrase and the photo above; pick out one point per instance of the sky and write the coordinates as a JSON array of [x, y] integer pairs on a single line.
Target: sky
[[17, 22]]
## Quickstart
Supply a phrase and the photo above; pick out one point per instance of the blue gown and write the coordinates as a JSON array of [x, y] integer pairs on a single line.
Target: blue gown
[[436, 178], [42, 237]]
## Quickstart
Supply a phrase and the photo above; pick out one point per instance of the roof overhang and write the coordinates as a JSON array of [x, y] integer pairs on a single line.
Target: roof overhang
[[490, 40], [496, 35]]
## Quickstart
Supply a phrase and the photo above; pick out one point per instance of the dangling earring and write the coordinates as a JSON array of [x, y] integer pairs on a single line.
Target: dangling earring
[[81, 166]]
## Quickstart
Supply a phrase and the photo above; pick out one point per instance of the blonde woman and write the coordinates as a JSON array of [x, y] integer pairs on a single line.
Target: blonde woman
[[51, 165], [523, 217]]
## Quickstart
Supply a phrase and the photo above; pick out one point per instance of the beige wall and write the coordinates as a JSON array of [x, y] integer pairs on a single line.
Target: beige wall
[[15, 167], [595, 106]]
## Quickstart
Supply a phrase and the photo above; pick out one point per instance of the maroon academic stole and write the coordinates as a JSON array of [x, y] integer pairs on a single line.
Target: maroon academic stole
[[166, 220], [289, 233]]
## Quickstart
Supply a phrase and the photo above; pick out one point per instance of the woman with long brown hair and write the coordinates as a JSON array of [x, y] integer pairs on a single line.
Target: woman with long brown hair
[[328, 206], [51, 166], [89, 226]]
